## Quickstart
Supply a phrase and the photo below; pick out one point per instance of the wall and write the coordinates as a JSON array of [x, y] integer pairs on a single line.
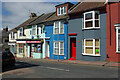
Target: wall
[[75, 26], [111, 49], [62, 37]]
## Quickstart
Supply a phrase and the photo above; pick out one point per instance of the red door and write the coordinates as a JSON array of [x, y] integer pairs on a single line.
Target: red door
[[73, 49]]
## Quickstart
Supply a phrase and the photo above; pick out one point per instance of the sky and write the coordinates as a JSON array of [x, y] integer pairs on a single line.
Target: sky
[[14, 13]]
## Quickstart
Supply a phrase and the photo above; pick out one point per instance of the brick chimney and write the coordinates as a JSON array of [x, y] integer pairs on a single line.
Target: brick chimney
[[5, 29], [33, 15]]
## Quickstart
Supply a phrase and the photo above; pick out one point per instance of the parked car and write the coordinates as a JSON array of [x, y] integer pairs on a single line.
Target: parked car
[[8, 59]]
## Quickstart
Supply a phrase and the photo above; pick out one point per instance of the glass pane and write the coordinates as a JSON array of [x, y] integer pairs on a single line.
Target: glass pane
[[64, 9], [96, 23], [56, 44], [96, 42], [61, 30], [62, 45], [58, 10], [89, 50], [56, 30], [118, 42], [118, 30], [88, 16], [62, 51], [89, 43], [56, 51], [56, 24], [61, 10], [97, 51], [96, 15], [88, 24]]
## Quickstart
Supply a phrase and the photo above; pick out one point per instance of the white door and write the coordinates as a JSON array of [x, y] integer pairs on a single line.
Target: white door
[[47, 49]]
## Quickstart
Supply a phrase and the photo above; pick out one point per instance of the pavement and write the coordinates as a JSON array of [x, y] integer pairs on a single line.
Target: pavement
[[95, 63]]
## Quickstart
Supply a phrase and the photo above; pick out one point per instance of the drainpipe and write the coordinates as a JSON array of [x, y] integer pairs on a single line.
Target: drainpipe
[[110, 21]]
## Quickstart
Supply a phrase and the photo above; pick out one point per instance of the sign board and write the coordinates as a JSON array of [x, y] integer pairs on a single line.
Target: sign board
[[33, 41]]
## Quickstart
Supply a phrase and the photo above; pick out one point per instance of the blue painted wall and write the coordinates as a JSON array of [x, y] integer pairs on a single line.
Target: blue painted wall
[[56, 37], [75, 26]]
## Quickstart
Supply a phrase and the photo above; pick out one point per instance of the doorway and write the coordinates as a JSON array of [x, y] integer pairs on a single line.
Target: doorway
[[72, 49], [47, 50]]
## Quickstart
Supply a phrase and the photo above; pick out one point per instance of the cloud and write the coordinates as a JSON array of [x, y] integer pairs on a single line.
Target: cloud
[[18, 12]]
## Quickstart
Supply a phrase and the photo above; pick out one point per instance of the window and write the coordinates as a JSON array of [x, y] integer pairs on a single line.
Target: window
[[91, 20], [21, 48], [59, 48], [42, 29], [91, 47], [12, 35], [58, 27], [37, 48], [117, 39], [34, 30], [61, 10], [22, 31]]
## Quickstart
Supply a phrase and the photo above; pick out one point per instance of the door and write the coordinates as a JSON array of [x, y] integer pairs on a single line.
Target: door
[[73, 49], [47, 49]]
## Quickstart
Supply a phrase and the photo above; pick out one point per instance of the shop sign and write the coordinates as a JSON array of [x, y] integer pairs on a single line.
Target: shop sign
[[33, 41]]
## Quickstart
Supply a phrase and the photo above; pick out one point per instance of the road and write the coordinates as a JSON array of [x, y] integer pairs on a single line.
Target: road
[[39, 69]]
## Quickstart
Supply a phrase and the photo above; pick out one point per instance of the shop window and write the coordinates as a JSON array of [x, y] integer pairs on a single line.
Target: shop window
[[58, 27], [61, 10], [59, 48], [91, 20], [36, 48], [91, 47], [118, 39], [21, 48]]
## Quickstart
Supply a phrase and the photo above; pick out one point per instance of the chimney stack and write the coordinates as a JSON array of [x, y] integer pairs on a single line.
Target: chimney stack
[[33, 15]]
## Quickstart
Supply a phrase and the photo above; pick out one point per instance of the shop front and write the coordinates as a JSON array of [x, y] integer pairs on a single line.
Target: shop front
[[21, 49], [34, 49]]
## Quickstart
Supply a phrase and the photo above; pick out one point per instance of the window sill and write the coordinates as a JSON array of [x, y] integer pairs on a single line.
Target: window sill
[[118, 52], [58, 54], [57, 33], [90, 54], [90, 28]]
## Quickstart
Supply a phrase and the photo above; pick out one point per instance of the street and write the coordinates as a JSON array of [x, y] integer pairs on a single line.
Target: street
[[41, 69]]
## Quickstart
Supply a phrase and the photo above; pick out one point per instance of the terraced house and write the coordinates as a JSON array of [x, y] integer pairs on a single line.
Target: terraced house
[[84, 31], [56, 30]]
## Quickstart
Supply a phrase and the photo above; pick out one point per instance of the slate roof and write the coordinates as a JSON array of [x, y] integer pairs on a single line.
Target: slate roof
[[26, 23], [42, 18], [84, 6], [54, 17]]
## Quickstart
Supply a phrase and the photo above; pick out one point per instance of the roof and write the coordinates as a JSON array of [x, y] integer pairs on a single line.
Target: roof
[[25, 24], [64, 4], [42, 18], [84, 6], [54, 17]]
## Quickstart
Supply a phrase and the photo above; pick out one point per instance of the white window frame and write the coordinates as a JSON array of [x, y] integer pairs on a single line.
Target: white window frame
[[59, 42], [59, 22], [35, 29], [93, 20], [21, 31], [117, 28], [60, 10], [12, 35], [83, 48]]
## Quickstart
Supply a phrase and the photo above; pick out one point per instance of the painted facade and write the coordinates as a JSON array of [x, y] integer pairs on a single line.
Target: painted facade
[[85, 42], [56, 38], [56, 33], [12, 42], [113, 21]]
